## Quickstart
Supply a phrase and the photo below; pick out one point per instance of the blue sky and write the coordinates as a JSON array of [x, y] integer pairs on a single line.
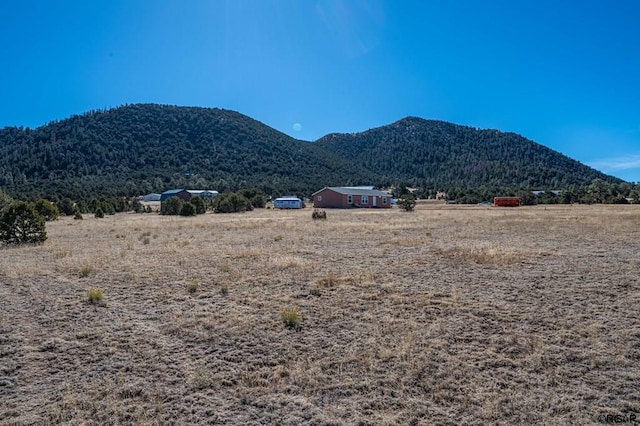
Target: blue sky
[[562, 73]]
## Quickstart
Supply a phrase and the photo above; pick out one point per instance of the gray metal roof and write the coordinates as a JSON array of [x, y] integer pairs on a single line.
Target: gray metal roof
[[287, 199], [173, 191], [355, 191], [200, 191]]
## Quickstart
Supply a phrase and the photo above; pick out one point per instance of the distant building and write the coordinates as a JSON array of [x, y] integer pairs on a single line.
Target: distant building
[[149, 197], [287, 203], [348, 197], [506, 201], [183, 194], [186, 194], [203, 193]]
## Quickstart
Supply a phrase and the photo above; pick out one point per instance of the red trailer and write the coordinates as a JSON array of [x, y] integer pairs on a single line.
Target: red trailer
[[506, 201]]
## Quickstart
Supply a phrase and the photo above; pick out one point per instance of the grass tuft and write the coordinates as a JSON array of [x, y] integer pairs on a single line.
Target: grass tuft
[[61, 254], [95, 295], [85, 271], [224, 289], [291, 316]]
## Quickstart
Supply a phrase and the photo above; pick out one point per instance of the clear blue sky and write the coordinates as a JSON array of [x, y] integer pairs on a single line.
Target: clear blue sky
[[563, 73]]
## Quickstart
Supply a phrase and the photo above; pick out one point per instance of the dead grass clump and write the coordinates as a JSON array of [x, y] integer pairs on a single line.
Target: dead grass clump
[[60, 254], [286, 261], [202, 378], [144, 238], [483, 255], [331, 280], [291, 316]]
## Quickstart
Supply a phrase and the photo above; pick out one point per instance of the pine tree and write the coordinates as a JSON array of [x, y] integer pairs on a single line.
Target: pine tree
[[20, 223]]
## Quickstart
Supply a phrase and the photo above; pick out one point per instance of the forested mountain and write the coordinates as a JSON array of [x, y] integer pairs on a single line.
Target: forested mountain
[[437, 154], [142, 148]]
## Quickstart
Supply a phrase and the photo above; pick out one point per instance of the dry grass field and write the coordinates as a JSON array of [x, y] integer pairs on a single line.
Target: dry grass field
[[447, 315]]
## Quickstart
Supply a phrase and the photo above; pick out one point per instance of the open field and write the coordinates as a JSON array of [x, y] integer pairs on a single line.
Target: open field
[[447, 315]]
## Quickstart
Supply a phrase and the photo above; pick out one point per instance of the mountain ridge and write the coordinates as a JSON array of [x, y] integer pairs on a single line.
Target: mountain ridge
[[437, 153], [140, 148]]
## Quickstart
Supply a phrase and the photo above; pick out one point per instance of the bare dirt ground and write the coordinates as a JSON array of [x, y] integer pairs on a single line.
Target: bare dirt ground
[[447, 315]]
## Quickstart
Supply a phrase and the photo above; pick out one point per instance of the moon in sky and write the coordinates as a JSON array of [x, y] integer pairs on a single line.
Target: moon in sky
[[297, 127]]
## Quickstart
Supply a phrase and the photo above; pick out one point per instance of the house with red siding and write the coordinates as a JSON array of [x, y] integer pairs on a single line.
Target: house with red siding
[[343, 197], [506, 201]]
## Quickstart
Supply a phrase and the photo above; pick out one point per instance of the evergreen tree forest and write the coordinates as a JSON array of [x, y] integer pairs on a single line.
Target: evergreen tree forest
[[85, 160]]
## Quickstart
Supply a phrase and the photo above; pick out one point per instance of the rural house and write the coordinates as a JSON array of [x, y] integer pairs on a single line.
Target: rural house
[[287, 203], [354, 196], [506, 201]]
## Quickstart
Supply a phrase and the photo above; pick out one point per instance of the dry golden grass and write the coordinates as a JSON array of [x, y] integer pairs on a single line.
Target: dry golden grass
[[448, 315]]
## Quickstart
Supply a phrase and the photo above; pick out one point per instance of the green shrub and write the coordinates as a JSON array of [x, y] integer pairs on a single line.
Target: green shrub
[[232, 203], [78, 215], [5, 200], [137, 206], [66, 207], [171, 206], [47, 209], [258, 201], [187, 209], [108, 207], [193, 286], [198, 203], [406, 202], [255, 197], [99, 213], [20, 223]]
